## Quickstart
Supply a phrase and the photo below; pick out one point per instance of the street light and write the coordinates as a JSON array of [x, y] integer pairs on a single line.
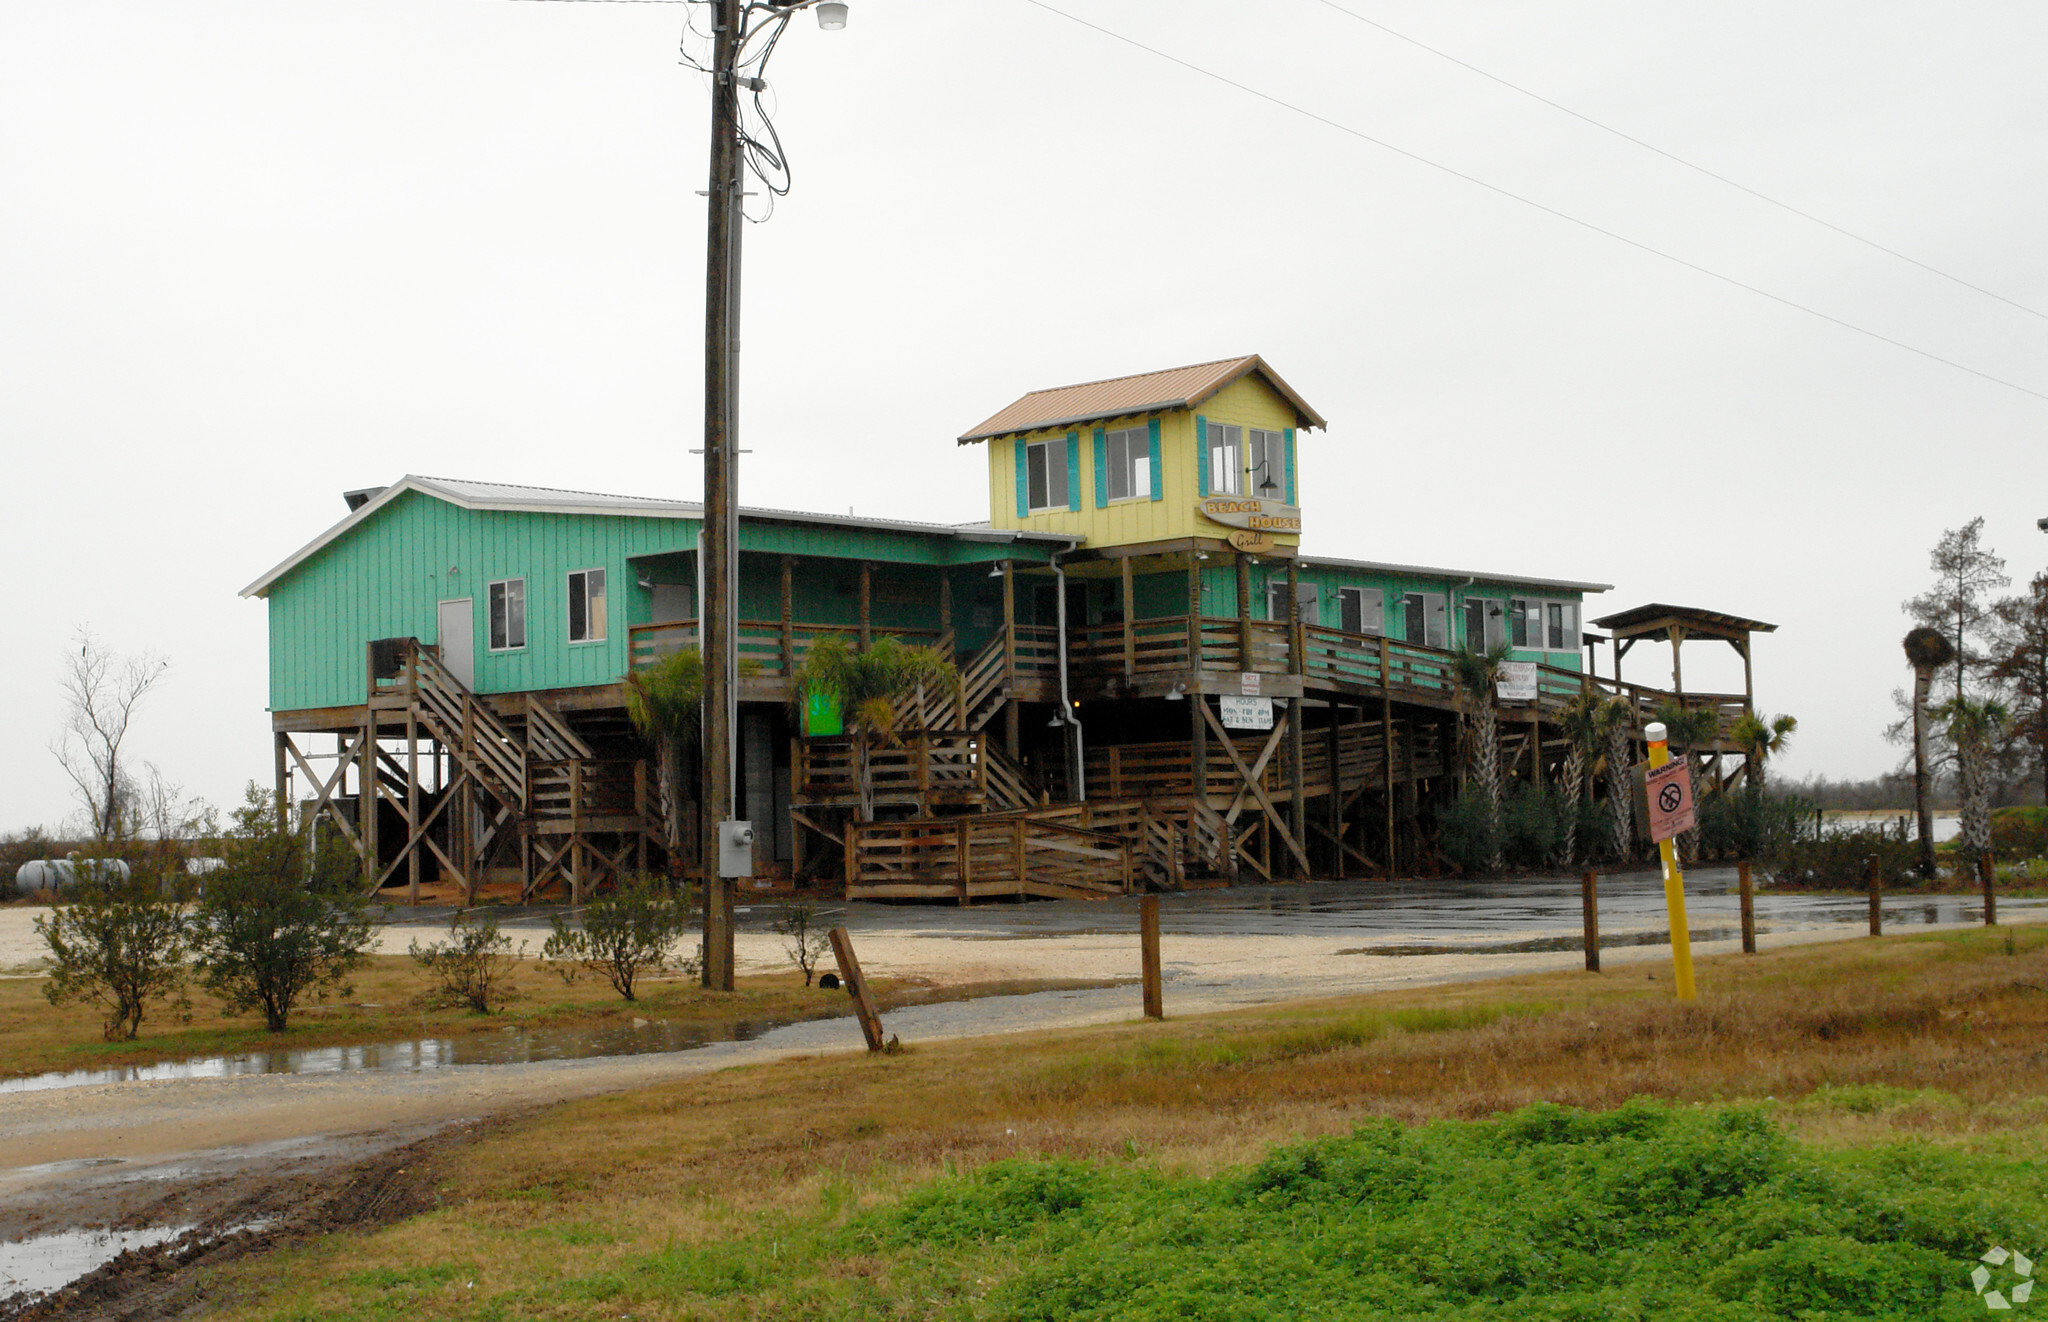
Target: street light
[[734, 27]]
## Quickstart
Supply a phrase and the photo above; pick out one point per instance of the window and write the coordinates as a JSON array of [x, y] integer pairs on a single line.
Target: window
[[586, 606], [1130, 463], [1361, 610], [1265, 464], [1226, 459], [1544, 625], [1485, 623], [1423, 618], [1308, 599], [508, 614], [1045, 469]]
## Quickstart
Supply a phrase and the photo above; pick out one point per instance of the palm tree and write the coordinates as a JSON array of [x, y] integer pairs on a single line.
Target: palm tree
[[1972, 728], [1477, 672], [666, 704], [1618, 724], [1927, 650], [1686, 728], [1582, 720], [867, 686], [1761, 739]]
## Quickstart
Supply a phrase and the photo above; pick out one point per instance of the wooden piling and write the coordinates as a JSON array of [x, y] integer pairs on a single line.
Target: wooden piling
[[1988, 870], [1589, 900], [1747, 890], [1876, 896], [857, 988], [1148, 945]]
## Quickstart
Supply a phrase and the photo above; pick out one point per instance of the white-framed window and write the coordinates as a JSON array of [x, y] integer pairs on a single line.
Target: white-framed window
[[1307, 601], [1361, 610], [586, 606], [1486, 623], [508, 614], [1423, 618], [1265, 464], [1045, 474], [1550, 626], [1128, 463], [1226, 459]]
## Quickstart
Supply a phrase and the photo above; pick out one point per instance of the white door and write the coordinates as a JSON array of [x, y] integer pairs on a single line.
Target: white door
[[457, 636]]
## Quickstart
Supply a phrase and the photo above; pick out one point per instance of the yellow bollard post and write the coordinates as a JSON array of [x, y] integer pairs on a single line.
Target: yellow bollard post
[[1674, 881]]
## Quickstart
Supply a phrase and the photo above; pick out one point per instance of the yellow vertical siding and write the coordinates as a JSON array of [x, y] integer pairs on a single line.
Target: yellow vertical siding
[[1248, 402]]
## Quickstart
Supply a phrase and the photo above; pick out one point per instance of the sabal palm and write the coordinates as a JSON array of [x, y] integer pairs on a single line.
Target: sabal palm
[[1927, 650], [868, 686], [1618, 723], [1477, 672], [1582, 721], [1685, 729], [1762, 738], [1973, 727], [666, 704]]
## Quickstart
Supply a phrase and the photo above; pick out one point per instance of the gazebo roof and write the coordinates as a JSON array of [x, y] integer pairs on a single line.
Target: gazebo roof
[[1657, 617]]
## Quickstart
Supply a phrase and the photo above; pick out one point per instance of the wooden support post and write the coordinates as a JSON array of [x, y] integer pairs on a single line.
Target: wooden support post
[[1387, 756], [1746, 890], [1297, 665], [1876, 896], [718, 930], [1019, 851], [1589, 901], [281, 776], [412, 807], [867, 603], [366, 802], [857, 988], [1130, 627], [1333, 751], [1194, 619], [1148, 954], [788, 616], [964, 842], [946, 615], [1012, 730], [1988, 870]]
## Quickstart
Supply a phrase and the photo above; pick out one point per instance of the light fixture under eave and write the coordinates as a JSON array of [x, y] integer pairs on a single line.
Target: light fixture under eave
[[1178, 693], [832, 15], [995, 571]]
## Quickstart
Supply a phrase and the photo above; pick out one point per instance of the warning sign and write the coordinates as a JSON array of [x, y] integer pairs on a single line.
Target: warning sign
[[1669, 790]]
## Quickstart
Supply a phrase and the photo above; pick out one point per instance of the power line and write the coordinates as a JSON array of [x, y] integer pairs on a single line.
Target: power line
[[1512, 196], [1680, 160]]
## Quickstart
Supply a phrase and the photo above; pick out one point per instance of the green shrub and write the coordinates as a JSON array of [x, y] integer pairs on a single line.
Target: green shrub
[[1532, 822], [1465, 831], [473, 965], [117, 940], [2019, 833], [1752, 823], [1839, 860], [630, 932]]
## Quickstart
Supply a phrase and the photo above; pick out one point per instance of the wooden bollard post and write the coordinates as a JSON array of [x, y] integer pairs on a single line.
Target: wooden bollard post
[[1989, 871], [1747, 890], [1589, 900], [1876, 897], [857, 988], [1148, 946]]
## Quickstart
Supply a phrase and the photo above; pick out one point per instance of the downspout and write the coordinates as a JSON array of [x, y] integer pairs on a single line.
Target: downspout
[[1454, 608], [1071, 721]]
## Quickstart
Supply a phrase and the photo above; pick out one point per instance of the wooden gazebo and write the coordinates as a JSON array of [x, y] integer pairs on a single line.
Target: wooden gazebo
[[1676, 624]]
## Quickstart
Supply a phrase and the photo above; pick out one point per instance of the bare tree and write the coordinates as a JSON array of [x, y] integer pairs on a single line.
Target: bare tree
[[1958, 603], [102, 691], [2020, 668]]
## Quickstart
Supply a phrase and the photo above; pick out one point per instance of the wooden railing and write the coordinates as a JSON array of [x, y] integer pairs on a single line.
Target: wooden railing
[[577, 790], [480, 742], [1166, 770], [983, 856], [923, 768], [762, 647]]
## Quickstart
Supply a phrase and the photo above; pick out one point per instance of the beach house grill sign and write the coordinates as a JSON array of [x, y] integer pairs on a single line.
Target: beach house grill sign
[[1252, 513]]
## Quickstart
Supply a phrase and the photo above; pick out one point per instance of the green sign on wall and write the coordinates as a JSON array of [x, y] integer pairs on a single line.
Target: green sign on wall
[[821, 715]]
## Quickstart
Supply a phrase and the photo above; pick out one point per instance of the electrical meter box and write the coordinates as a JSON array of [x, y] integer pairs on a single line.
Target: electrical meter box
[[735, 849]]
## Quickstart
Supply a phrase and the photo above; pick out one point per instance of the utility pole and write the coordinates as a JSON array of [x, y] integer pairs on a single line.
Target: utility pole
[[715, 612]]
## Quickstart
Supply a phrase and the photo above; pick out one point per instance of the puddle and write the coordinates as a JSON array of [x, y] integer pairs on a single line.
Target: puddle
[[510, 1046], [1546, 944], [43, 1263]]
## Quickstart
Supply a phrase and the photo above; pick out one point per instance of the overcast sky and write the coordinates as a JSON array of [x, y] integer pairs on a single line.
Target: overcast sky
[[257, 252]]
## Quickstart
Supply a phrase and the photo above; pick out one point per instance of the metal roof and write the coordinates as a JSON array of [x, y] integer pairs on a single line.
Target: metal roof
[[1148, 392], [1431, 571], [1657, 616], [365, 502]]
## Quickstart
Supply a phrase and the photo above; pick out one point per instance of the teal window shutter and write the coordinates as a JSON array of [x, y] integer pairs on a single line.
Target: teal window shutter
[[1158, 481], [1023, 479], [1101, 470], [1073, 470], [1290, 467], [1201, 456]]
